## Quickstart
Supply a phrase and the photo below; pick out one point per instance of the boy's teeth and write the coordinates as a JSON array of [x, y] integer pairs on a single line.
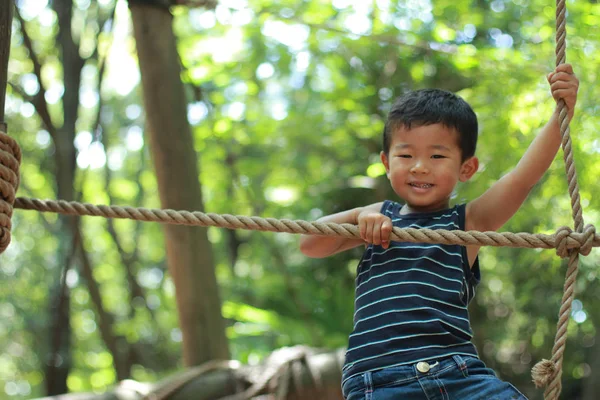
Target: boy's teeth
[[424, 185]]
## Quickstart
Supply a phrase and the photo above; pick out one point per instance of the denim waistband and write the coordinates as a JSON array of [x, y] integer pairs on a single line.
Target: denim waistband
[[405, 373]]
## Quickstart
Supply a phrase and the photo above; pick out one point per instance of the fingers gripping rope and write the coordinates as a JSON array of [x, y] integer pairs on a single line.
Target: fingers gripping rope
[[10, 160]]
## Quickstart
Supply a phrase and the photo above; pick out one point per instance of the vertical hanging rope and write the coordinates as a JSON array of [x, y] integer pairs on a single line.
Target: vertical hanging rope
[[10, 159], [565, 131], [549, 372], [10, 155]]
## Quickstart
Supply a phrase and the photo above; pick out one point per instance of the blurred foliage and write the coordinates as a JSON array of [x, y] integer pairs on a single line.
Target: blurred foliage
[[287, 101]]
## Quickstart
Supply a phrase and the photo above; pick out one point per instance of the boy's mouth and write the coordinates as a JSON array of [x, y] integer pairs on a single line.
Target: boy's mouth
[[421, 185]]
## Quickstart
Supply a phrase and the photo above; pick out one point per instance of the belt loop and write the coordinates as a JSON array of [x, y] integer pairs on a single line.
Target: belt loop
[[368, 379], [461, 364]]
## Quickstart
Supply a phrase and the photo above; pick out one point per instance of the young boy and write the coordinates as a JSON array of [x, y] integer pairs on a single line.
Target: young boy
[[412, 336]]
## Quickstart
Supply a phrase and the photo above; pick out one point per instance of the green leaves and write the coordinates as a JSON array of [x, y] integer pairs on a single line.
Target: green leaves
[[287, 101]]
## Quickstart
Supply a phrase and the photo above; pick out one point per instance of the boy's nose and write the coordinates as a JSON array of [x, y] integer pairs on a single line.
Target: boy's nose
[[419, 167]]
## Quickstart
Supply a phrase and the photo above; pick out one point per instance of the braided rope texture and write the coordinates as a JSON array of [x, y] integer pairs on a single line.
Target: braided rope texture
[[563, 240], [10, 160], [548, 372]]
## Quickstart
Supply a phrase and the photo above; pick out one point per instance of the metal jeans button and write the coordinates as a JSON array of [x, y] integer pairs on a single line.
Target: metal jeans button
[[423, 367]]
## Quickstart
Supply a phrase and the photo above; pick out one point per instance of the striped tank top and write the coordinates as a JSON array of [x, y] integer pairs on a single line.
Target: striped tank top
[[411, 299]]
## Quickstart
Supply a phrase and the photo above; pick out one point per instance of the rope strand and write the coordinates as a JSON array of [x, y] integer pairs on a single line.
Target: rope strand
[[563, 239], [541, 372]]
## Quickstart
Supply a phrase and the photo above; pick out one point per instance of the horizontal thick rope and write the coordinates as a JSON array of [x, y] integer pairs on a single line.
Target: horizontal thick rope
[[564, 239]]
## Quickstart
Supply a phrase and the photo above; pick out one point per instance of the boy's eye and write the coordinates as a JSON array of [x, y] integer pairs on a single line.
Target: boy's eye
[[404, 155], [438, 156]]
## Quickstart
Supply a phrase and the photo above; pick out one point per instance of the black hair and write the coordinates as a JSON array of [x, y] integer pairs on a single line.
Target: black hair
[[433, 106]]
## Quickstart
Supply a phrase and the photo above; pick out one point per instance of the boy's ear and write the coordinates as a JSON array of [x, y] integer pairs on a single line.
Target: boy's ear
[[386, 163], [468, 168]]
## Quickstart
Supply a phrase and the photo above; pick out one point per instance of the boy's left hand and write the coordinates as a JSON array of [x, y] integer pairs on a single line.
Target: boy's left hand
[[564, 85]]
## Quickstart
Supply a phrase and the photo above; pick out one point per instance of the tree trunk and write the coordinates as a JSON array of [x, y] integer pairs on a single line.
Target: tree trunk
[[116, 345], [303, 374], [59, 366], [189, 253], [6, 10]]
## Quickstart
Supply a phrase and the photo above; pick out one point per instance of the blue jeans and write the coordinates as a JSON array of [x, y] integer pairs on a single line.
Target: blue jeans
[[454, 378]]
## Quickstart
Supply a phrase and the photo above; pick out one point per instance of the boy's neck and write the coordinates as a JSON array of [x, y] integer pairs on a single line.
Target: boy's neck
[[412, 209]]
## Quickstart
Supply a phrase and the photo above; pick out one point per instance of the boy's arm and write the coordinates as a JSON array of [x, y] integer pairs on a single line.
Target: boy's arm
[[499, 203], [323, 246]]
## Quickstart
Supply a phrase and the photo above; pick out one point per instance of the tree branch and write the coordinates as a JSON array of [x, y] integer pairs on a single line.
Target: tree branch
[[103, 23], [6, 10], [290, 373], [96, 124], [72, 66], [105, 319], [39, 99], [39, 103], [127, 258]]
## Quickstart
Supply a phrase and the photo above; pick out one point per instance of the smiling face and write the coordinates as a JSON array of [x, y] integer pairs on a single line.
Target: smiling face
[[424, 165]]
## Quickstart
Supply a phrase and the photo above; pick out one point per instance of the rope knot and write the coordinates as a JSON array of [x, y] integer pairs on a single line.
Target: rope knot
[[10, 160], [587, 242], [542, 372], [562, 237]]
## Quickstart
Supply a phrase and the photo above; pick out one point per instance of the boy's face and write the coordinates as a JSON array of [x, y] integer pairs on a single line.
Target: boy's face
[[424, 165]]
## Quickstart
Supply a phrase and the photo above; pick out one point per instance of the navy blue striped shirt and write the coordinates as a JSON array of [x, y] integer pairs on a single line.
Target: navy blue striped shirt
[[411, 299]]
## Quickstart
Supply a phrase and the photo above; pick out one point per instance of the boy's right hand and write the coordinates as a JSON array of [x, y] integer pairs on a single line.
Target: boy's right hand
[[375, 228]]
